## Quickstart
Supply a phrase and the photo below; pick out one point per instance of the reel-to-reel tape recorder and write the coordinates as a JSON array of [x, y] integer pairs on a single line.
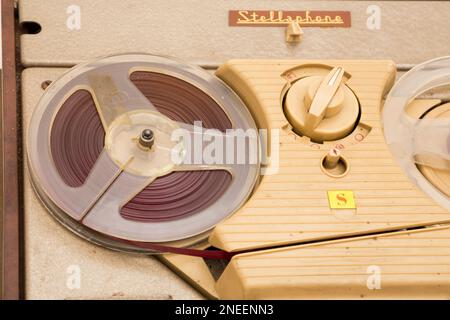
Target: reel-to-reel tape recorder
[[260, 179], [104, 159]]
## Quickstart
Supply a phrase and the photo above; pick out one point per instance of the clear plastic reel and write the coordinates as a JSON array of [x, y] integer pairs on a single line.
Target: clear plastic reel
[[123, 168], [415, 141]]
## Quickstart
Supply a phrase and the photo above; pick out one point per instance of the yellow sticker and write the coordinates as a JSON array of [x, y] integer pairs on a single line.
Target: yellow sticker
[[341, 199]]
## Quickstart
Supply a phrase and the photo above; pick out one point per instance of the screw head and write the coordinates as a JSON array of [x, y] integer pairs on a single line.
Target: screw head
[[147, 138], [147, 134]]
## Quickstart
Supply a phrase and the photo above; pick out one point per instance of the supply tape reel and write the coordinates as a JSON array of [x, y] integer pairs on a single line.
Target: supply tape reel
[[421, 144], [100, 152]]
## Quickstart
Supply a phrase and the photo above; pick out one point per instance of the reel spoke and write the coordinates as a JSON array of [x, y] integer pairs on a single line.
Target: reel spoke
[[211, 149], [78, 201], [431, 143], [115, 94], [105, 216]]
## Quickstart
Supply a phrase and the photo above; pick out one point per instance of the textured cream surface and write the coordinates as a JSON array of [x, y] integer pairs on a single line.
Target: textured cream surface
[[198, 31], [53, 254], [292, 206], [408, 265]]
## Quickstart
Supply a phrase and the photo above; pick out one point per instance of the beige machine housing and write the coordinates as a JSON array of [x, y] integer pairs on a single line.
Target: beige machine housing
[[290, 207], [407, 32], [400, 265]]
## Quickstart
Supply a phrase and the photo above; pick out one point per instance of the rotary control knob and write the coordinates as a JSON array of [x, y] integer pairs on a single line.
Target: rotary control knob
[[322, 108]]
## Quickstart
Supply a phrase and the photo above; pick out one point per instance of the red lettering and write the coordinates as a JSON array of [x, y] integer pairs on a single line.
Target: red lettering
[[341, 199], [359, 137]]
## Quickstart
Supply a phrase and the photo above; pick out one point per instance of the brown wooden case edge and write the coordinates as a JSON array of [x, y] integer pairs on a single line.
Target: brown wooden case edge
[[11, 279]]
